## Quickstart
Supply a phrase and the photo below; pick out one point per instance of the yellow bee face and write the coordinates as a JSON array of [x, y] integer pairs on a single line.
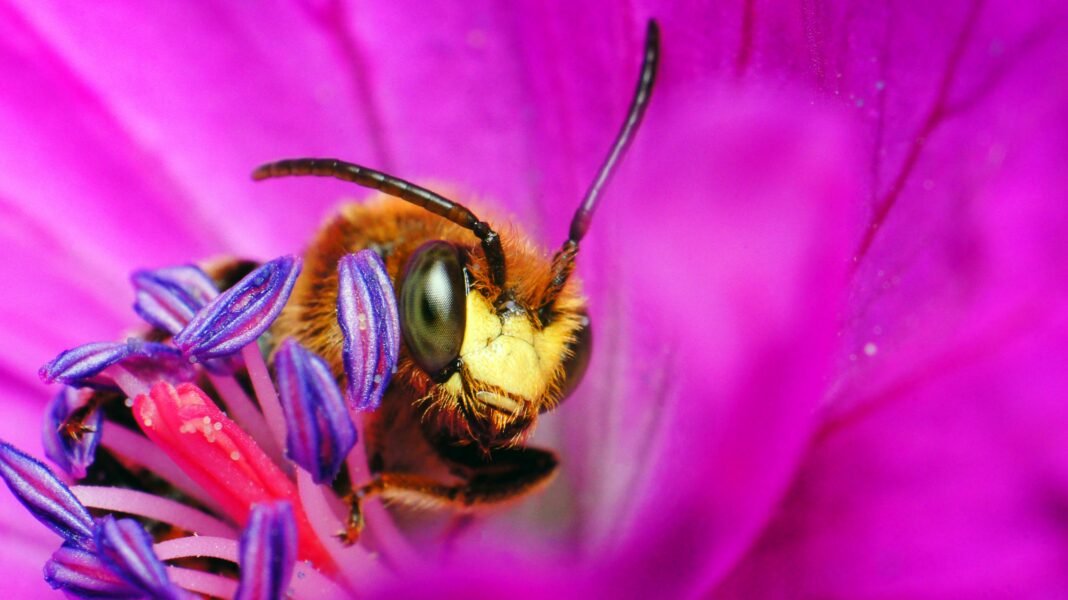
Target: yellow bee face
[[495, 364], [512, 369]]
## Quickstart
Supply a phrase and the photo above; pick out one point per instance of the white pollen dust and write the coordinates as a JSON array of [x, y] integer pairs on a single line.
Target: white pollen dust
[[870, 349]]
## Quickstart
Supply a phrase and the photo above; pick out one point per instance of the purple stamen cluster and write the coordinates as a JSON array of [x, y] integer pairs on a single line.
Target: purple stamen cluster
[[320, 432], [115, 558], [105, 556], [367, 314], [268, 551]]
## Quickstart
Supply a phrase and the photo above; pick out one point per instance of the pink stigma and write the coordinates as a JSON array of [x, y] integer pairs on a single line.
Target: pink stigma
[[217, 454]]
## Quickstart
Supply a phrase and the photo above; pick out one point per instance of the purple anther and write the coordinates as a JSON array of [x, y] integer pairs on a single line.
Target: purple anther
[[84, 574], [268, 551], [242, 313], [127, 548], [169, 297], [40, 491], [78, 366], [85, 366], [367, 314], [319, 431], [72, 450]]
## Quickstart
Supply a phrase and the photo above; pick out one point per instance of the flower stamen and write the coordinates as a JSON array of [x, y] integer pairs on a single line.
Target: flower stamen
[[127, 548], [267, 552], [367, 315], [265, 393], [235, 468], [46, 497], [242, 313], [320, 433], [243, 410]]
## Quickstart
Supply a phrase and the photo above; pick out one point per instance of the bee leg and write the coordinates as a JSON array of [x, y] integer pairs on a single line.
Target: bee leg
[[401, 487], [354, 523], [504, 474], [497, 476]]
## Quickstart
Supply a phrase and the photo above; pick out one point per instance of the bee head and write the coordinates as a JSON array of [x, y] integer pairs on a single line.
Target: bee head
[[495, 360], [502, 345]]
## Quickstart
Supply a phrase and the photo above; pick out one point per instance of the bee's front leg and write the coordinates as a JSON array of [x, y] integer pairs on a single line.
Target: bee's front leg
[[505, 474]]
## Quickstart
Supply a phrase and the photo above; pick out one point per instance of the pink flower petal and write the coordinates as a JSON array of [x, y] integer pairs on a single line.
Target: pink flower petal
[[209, 93], [743, 240], [941, 458], [954, 489], [24, 556], [93, 180]]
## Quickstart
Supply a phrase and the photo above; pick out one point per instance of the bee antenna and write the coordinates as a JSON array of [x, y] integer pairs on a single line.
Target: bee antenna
[[398, 188], [564, 259]]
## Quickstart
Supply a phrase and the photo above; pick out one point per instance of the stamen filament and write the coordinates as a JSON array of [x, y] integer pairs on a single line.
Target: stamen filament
[[134, 502], [379, 525], [137, 449], [356, 563], [203, 583], [243, 410], [306, 582], [130, 384], [265, 393], [359, 471], [198, 546]]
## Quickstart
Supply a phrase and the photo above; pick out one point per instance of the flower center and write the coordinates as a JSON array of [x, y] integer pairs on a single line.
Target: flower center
[[266, 467]]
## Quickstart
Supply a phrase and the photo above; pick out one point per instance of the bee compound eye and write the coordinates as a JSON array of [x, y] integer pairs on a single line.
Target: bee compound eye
[[578, 358], [433, 305]]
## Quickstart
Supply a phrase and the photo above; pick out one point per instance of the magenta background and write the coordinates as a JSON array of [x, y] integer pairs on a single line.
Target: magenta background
[[734, 437]]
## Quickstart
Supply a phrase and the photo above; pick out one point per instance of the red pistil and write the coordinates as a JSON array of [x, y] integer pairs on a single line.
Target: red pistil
[[216, 453]]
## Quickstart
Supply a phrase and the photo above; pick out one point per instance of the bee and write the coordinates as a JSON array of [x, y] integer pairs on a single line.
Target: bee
[[496, 332]]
